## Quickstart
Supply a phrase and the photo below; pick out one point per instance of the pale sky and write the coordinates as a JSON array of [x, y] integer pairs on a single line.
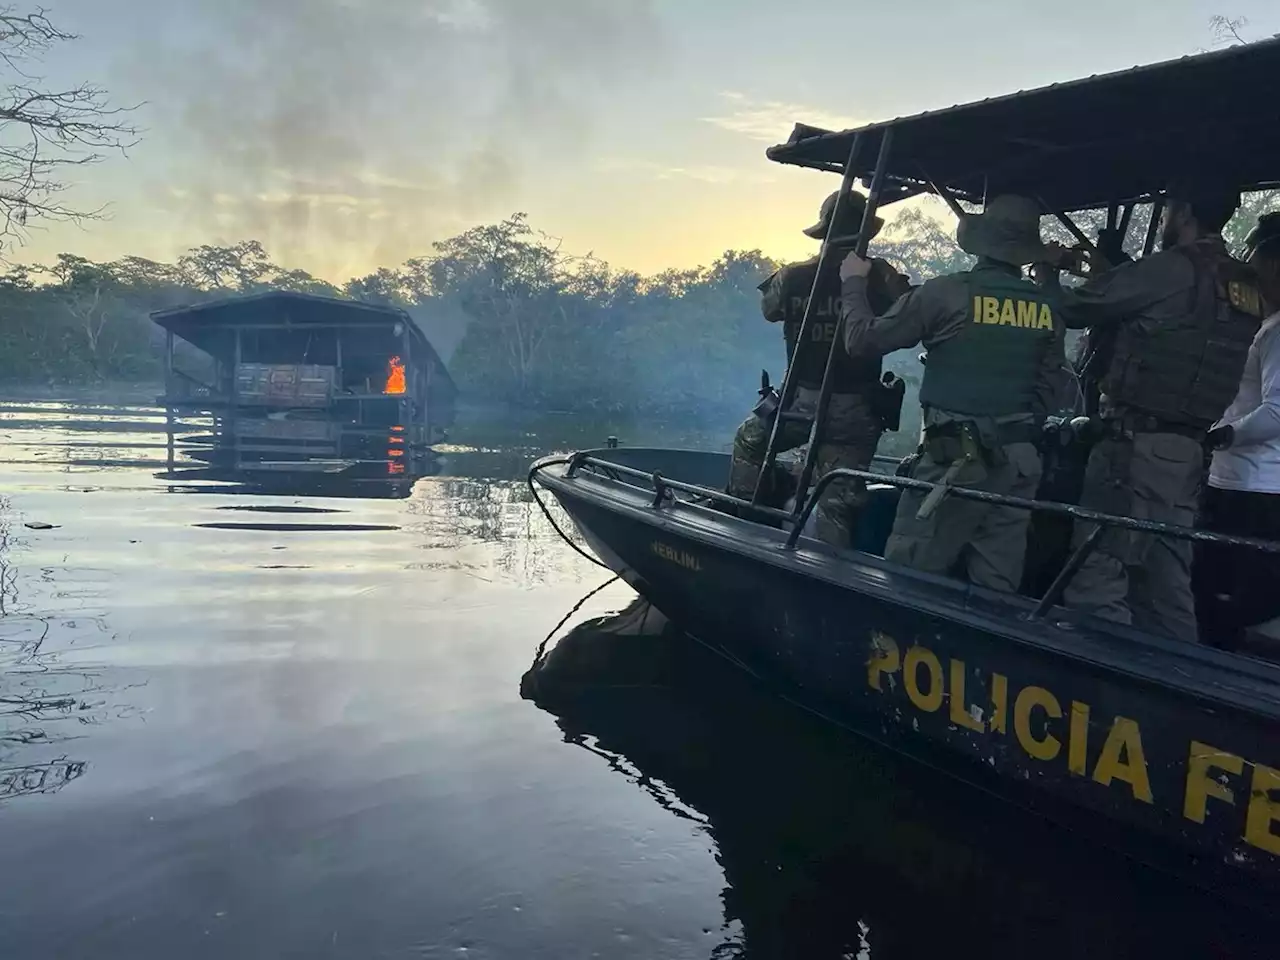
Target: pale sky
[[348, 134]]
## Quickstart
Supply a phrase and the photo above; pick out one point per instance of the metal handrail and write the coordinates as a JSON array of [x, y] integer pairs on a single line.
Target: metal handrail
[[1042, 506], [906, 483], [662, 484], [1052, 595], [1078, 555]]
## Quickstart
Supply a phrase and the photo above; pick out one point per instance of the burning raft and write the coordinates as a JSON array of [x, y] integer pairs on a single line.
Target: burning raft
[[296, 382]]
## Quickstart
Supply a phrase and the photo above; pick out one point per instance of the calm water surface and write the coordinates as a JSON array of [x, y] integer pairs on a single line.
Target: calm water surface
[[246, 725]]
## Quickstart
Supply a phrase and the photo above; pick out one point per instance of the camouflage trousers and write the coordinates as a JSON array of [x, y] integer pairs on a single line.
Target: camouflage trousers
[[853, 434], [1131, 577], [988, 542]]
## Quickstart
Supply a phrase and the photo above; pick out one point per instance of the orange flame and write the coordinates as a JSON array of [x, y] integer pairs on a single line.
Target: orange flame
[[395, 376]]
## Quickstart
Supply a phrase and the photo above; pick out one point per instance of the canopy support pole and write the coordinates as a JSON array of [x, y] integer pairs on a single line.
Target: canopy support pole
[[818, 429], [1153, 227], [1126, 217], [1074, 229], [945, 195], [1059, 586], [789, 383]]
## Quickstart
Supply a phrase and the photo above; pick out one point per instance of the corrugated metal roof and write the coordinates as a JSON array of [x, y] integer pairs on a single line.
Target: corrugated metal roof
[[312, 306], [208, 325], [1084, 142]]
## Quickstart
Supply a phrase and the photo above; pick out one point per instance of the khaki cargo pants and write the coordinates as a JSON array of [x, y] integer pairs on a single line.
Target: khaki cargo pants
[[989, 541], [1137, 578], [853, 435]]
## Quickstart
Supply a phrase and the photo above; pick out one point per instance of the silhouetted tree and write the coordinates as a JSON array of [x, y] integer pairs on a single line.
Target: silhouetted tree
[[43, 131]]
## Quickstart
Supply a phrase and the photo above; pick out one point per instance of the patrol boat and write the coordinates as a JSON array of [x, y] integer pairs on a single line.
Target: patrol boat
[[1166, 748]]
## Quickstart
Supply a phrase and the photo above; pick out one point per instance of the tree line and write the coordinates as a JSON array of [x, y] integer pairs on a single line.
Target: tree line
[[521, 320]]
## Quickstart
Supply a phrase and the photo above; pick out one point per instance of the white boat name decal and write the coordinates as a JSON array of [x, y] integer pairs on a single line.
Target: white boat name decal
[[681, 557]]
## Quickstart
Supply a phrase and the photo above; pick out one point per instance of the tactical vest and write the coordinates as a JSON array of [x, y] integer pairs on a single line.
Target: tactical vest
[[809, 359], [1187, 372], [992, 366]]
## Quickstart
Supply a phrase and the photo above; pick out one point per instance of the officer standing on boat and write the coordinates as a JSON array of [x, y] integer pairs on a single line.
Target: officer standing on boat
[[995, 353], [1235, 588], [853, 426], [1182, 321]]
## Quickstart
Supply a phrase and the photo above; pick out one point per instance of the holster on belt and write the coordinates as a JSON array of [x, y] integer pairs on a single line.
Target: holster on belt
[[959, 442], [954, 445]]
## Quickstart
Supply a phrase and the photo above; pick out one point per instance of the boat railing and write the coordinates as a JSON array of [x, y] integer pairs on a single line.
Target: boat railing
[[663, 488], [1078, 556]]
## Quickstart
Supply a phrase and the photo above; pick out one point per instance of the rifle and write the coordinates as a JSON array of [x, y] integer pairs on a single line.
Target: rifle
[[766, 407]]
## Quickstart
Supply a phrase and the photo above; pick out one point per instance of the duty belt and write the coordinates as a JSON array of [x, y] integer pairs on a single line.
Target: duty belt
[[1128, 424], [1021, 431]]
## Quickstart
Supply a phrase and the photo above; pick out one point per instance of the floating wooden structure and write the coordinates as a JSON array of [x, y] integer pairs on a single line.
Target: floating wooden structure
[[291, 383]]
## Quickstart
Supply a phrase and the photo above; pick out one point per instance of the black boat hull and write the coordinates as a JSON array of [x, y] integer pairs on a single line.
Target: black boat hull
[[828, 844], [1171, 750]]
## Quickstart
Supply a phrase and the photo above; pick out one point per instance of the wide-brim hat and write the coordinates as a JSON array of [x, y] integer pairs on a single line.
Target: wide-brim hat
[[1008, 230], [851, 213], [1265, 234]]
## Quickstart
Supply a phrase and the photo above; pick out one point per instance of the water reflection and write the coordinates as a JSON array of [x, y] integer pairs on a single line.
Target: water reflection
[[833, 849], [38, 778], [343, 479], [284, 720], [197, 480], [43, 704], [230, 742]]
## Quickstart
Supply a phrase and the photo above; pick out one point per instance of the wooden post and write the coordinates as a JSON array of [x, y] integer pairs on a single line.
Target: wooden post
[[337, 340], [168, 398], [406, 400], [233, 411]]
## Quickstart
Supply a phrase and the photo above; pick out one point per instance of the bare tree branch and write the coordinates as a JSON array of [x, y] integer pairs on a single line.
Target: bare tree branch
[[1227, 29], [44, 131]]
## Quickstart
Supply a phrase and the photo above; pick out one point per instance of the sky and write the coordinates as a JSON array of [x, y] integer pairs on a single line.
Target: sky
[[351, 134]]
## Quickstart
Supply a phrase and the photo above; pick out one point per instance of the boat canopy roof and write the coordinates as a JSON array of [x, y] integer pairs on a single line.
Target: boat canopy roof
[[1107, 139]]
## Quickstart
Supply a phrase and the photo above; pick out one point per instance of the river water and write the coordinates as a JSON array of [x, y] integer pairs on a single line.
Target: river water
[[293, 725]]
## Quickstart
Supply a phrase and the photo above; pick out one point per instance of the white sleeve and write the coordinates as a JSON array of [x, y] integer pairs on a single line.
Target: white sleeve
[[1262, 425]]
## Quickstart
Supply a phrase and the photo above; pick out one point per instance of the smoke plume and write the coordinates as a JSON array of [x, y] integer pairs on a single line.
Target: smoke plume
[[345, 132]]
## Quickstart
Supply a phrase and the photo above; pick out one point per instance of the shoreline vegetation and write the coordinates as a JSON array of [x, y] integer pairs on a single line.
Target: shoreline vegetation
[[521, 323]]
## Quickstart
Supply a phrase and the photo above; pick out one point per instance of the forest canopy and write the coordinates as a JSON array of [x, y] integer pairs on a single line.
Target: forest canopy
[[519, 319]]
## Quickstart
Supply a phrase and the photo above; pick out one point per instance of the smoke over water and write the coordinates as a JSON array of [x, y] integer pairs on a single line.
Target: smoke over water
[[347, 133]]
